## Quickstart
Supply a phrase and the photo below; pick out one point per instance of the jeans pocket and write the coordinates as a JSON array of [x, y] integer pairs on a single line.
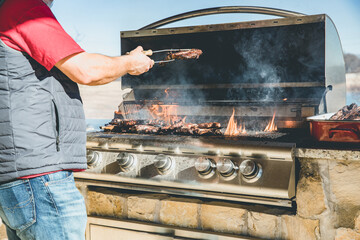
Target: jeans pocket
[[64, 195], [58, 177], [17, 207]]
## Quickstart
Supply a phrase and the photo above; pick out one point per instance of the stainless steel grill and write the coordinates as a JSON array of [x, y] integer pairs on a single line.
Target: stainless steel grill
[[292, 66]]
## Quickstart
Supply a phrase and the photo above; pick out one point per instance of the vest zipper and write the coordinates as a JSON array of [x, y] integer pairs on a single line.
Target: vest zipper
[[56, 127], [57, 143]]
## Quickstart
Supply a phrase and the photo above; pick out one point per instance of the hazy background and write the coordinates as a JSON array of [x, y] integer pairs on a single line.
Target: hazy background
[[96, 26]]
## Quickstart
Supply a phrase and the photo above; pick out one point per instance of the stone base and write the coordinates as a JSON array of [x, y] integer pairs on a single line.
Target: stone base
[[328, 204], [236, 219], [3, 235]]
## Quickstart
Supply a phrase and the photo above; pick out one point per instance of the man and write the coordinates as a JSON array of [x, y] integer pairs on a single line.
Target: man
[[42, 126]]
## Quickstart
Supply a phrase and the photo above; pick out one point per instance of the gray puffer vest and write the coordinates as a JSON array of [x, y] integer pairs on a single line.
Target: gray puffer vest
[[42, 124]]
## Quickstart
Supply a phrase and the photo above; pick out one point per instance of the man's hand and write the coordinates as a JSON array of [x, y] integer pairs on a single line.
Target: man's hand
[[96, 69], [140, 63]]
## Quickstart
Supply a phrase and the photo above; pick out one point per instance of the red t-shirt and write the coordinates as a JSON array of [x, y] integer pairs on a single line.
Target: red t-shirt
[[30, 26]]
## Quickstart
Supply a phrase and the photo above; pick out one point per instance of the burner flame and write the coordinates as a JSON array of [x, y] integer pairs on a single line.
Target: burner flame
[[232, 129], [167, 113], [167, 92], [271, 127], [125, 114], [242, 129]]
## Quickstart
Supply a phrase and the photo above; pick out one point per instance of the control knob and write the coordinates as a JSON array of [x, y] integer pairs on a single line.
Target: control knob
[[226, 167], [249, 169], [94, 158], [163, 163], [204, 166], [126, 161]]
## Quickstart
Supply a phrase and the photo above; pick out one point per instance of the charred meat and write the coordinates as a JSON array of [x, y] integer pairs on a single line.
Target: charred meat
[[210, 125], [145, 129], [189, 54], [349, 112], [159, 127], [125, 123], [207, 132]]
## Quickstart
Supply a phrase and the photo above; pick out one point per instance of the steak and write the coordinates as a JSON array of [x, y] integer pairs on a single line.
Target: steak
[[188, 54]]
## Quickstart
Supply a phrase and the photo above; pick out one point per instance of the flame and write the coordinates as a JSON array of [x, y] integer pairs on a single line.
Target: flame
[[271, 127], [285, 99], [232, 129], [167, 113], [167, 92], [184, 119], [128, 112], [242, 129]]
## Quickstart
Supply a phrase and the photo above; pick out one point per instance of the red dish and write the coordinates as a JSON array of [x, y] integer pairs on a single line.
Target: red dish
[[326, 130]]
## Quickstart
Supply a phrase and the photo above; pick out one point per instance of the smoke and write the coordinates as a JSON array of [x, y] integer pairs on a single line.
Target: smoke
[[237, 67]]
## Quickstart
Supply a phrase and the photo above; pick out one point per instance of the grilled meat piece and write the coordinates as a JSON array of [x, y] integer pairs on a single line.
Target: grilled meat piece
[[107, 128], [188, 129], [178, 124], [145, 129], [207, 131], [210, 125], [170, 129], [124, 123], [349, 112], [190, 125], [189, 54], [157, 122]]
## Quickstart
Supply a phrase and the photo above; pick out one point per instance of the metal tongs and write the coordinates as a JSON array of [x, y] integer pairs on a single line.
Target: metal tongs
[[151, 52]]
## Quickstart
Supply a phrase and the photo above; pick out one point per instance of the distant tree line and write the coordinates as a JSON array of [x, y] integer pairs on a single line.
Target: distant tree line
[[352, 63]]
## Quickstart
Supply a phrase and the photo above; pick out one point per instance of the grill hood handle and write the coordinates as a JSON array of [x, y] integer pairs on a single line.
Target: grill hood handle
[[221, 10]]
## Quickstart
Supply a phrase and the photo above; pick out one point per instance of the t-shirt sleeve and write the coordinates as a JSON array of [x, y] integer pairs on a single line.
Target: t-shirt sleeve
[[41, 36]]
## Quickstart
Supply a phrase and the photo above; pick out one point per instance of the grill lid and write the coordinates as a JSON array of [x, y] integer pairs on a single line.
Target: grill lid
[[294, 63], [267, 60]]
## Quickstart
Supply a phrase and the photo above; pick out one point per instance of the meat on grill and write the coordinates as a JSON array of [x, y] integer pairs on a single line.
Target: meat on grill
[[207, 131], [145, 129], [108, 128], [349, 112], [157, 122], [188, 54], [210, 125], [159, 127], [125, 123]]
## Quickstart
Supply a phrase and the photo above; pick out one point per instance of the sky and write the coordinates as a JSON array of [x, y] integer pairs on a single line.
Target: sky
[[96, 25]]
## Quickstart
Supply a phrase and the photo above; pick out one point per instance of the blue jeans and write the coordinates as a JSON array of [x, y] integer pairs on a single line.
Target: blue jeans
[[43, 208]]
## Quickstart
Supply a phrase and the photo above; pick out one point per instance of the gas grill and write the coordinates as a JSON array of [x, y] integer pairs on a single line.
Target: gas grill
[[276, 71]]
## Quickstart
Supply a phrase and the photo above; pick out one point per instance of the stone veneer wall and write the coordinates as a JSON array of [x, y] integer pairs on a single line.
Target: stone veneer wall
[[2, 231], [328, 204], [329, 191]]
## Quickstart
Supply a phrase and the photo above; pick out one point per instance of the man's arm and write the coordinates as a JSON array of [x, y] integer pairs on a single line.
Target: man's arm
[[96, 69]]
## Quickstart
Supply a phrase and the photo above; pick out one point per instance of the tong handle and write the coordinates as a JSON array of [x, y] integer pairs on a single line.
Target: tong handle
[[151, 52], [148, 52]]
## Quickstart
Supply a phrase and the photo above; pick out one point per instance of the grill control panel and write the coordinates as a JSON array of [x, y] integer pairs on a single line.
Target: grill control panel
[[167, 166], [258, 172], [222, 169]]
